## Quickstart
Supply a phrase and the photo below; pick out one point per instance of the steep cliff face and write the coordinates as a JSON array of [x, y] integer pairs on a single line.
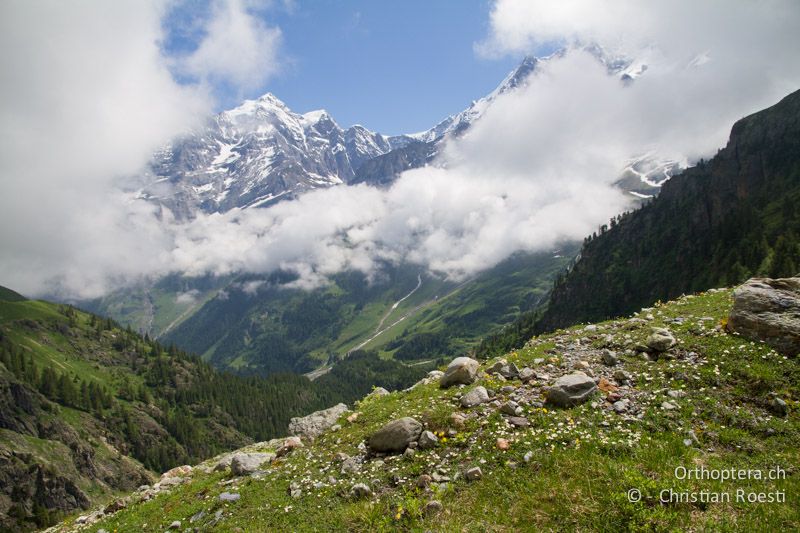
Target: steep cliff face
[[715, 224]]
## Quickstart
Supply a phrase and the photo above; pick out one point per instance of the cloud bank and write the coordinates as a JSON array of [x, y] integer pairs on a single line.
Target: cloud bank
[[536, 169]]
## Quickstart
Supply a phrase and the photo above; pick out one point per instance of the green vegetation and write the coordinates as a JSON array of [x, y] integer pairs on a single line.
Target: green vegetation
[[571, 469], [257, 326], [70, 378]]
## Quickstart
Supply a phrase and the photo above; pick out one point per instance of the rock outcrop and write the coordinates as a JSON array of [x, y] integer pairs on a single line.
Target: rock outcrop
[[768, 310], [315, 424]]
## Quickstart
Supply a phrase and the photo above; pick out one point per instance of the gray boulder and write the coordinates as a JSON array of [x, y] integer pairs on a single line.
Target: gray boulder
[[243, 464], [476, 396], [570, 390], [462, 370], [315, 424], [396, 435], [660, 340], [768, 310]]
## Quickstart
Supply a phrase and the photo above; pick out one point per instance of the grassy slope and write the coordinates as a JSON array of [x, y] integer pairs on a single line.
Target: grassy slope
[[583, 460]]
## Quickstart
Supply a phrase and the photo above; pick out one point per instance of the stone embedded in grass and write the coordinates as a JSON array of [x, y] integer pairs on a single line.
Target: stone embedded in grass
[[609, 358], [623, 377], [175, 525], [509, 371], [570, 390], [668, 406], [360, 490], [526, 374], [226, 497], [288, 445], [779, 407], [396, 435], [427, 440], [476, 396], [432, 508], [518, 421], [676, 394], [660, 340], [622, 405], [510, 408], [460, 371], [243, 464], [474, 473]]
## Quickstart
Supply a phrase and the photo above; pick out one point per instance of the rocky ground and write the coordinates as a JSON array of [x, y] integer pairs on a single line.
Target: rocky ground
[[554, 436]]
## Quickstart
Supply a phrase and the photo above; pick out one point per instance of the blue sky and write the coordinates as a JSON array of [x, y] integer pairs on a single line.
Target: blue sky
[[395, 67]]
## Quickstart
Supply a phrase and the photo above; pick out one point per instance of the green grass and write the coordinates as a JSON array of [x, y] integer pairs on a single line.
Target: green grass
[[581, 464]]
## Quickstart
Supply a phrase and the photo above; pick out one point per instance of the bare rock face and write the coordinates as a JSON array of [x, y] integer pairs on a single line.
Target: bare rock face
[[768, 310], [313, 425]]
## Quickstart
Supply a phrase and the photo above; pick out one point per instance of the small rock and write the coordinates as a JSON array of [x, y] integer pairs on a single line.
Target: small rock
[[779, 407], [676, 394], [509, 371], [519, 421], [509, 408], [116, 505], [473, 473], [360, 490], [178, 471], [462, 370], [495, 368], [527, 457], [606, 386], [502, 444], [458, 420], [288, 445], [175, 525], [668, 406], [621, 406], [378, 391], [590, 328], [428, 440], [508, 389], [432, 508], [424, 481], [353, 417], [660, 340], [197, 516], [295, 491], [609, 358], [476, 396], [526, 374], [581, 365], [623, 377], [243, 464], [410, 452], [228, 497]]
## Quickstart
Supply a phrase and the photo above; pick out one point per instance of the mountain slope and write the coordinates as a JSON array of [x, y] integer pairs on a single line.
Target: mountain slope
[[703, 405], [89, 410], [713, 225]]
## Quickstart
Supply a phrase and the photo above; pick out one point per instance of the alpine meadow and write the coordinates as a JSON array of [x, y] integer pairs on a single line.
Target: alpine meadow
[[504, 265]]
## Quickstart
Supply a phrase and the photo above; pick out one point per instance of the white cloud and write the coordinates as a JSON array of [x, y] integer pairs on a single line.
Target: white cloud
[[537, 168], [238, 49]]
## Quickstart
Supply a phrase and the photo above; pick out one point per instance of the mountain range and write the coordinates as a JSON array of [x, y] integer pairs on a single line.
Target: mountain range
[[262, 152]]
